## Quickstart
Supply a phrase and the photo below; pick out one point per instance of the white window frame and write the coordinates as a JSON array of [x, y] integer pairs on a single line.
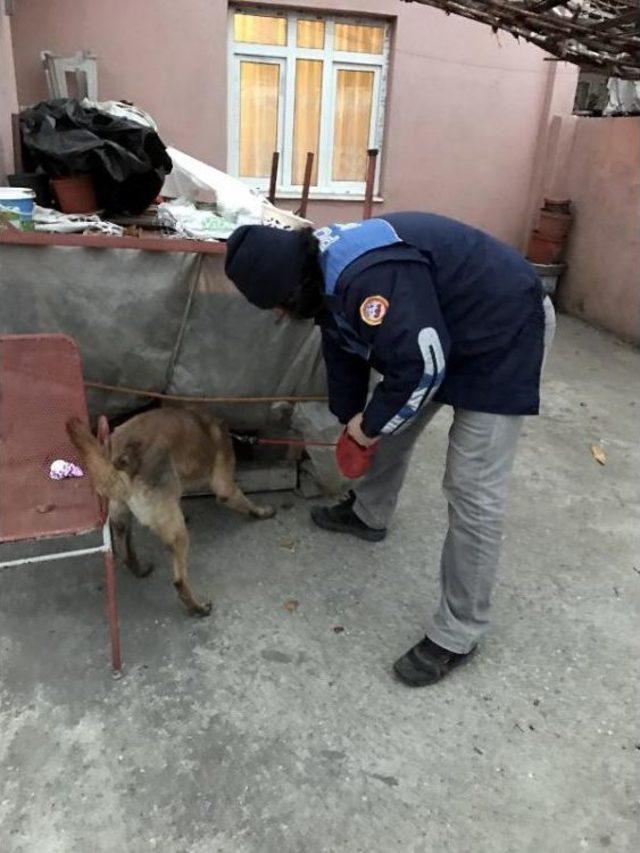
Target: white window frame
[[332, 62]]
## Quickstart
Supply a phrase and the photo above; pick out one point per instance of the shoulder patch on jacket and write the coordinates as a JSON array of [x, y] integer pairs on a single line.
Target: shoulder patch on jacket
[[373, 310]]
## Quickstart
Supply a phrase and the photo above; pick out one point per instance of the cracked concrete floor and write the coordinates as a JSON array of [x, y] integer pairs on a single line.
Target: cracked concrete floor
[[266, 730]]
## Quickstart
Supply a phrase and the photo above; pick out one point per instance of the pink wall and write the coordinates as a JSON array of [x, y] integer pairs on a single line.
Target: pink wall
[[464, 112], [8, 100], [598, 167], [167, 56]]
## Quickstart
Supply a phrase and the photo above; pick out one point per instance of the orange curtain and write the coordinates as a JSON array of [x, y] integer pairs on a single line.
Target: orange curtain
[[259, 92], [354, 97], [306, 121], [259, 29], [359, 39], [310, 33]]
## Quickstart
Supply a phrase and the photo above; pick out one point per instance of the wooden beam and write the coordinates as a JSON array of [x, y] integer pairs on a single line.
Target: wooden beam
[[630, 17], [308, 169], [508, 15], [616, 51], [17, 143], [12, 237], [545, 5]]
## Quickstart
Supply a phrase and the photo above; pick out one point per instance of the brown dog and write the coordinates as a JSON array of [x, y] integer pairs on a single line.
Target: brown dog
[[155, 458]]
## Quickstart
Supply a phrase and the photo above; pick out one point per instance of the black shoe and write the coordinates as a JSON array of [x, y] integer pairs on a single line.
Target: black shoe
[[426, 663], [341, 518]]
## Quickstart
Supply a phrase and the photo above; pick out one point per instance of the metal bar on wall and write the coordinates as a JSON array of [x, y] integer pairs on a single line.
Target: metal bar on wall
[[308, 169], [273, 180], [372, 156]]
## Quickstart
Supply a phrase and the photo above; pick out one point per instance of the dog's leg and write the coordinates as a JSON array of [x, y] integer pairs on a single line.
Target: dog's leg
[[222, 481], [229, 493], [121, 522], [168, 523]]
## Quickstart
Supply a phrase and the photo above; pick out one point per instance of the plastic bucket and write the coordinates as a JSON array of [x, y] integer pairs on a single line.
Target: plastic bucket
[[37, 182], [549, 275], [16, 208]]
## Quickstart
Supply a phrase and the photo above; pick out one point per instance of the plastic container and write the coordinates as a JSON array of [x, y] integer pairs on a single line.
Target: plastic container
[[549, 275], [16, 208], [37, 182], [75, 194]]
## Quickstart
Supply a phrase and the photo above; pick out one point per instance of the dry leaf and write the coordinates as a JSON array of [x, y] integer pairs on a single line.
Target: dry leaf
[[291, 605], [288, 543], [598, 454]]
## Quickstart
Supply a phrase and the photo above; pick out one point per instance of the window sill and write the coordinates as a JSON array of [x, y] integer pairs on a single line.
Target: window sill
[[284, 195]]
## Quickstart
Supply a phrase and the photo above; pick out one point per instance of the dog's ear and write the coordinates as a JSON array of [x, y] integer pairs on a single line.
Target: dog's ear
[[130, 457]]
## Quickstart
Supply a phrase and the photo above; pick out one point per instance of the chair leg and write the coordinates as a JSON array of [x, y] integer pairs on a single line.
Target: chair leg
[[112, 611]]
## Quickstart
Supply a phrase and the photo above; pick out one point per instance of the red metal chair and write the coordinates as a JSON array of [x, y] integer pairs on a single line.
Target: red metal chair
[[41, 387]]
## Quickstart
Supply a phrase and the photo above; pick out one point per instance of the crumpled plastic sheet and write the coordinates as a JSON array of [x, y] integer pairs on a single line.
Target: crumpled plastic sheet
[[47, 219], [191, 178], [169, 322], [123, 307], [127, 161], [197, 222]]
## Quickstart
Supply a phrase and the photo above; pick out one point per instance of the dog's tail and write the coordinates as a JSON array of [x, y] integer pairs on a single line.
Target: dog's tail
[[107, 480]]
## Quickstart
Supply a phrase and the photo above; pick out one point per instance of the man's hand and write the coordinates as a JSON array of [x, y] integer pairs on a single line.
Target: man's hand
[[354, 429]]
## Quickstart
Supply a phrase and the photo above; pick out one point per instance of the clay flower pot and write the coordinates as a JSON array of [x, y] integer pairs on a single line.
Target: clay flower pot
[[554, 226], [75, 194], [543, 250]]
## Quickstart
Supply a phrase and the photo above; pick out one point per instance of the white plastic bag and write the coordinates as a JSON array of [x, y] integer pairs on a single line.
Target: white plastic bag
[[624, 96], [47, 219], [188, 220], [192, 179], [121, 110]]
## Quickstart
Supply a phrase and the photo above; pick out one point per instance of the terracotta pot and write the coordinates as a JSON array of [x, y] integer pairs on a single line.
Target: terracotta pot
[[554, 226], [75, 194], [544, 251]]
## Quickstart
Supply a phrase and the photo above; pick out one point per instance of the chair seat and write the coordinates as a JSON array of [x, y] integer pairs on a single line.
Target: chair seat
[[41, 387]]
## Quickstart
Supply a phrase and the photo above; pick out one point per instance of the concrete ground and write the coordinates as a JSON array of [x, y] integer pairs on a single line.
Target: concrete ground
[[266, 730]]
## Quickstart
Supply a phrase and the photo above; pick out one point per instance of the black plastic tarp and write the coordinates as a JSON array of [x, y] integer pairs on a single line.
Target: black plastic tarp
[[127, 161]]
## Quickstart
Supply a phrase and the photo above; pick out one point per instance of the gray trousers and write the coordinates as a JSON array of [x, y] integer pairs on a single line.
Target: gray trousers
[[480, 456]]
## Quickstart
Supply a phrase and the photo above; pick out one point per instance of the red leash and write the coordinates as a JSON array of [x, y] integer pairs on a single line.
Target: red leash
[[291, 442], [295, 442], [353, 459]]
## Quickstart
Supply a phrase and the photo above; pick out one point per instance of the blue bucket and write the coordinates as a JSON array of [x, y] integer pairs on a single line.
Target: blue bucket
[[16, 208]]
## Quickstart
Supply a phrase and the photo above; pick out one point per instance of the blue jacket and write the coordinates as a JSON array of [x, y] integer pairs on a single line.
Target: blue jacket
[[443, 311]]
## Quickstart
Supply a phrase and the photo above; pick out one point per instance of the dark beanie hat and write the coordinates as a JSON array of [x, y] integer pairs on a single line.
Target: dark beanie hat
[[265, 263]]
